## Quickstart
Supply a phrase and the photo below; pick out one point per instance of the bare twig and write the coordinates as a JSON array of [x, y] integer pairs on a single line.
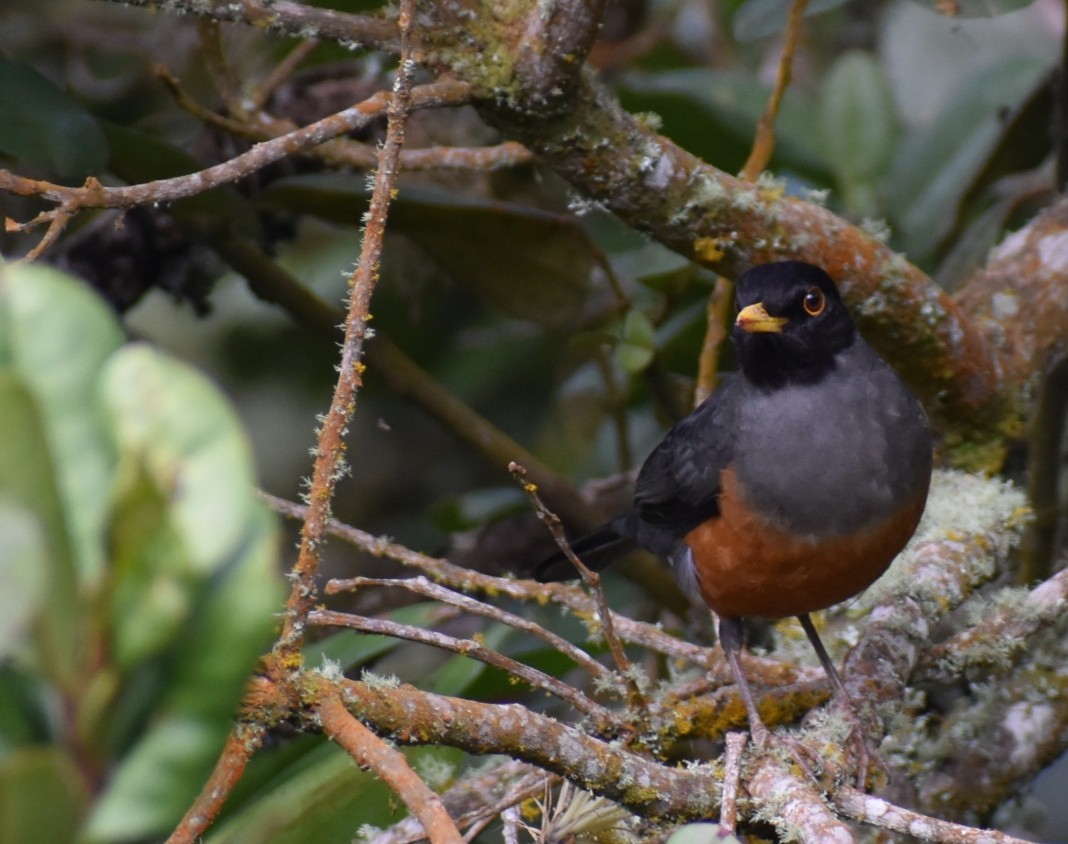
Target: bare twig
[[391, 767], [93, 194], [467, 580], [764, 143], [330, 449], [477, 800], [244, 740], [422, 586], [213, 52], [879, 813], [590, 578], [296, 19], [605, 720], [280, 73]]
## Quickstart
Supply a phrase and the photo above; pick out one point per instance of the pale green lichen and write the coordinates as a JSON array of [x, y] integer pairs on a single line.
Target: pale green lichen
[[379, 682]]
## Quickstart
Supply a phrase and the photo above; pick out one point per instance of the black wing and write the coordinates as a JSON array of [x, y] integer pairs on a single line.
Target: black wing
[[679, 484], [677, 489]]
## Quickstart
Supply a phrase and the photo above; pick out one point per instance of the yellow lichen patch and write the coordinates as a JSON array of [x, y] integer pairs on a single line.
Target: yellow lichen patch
[[707, 249]]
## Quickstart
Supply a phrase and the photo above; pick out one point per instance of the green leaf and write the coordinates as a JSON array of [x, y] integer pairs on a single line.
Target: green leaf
[[148, 456], [858, 118], [174, 426], [213, 656], [933, 168], [23, 715], [637, 342], [27, 481], [45, 316], [43, 126], [761, 18], [154, 583], [24, 573], [42, 797]]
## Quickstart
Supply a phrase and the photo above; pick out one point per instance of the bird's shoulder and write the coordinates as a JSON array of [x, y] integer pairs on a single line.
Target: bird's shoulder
[[682, 474]]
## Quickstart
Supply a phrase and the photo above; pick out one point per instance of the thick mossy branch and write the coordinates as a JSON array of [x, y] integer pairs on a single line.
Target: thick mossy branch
[[409, 716]]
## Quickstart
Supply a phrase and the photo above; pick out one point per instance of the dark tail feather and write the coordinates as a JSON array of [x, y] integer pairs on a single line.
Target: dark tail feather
[[596, 550]]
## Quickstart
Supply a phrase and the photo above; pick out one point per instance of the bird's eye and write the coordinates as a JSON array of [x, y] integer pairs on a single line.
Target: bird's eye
[[814, 302]]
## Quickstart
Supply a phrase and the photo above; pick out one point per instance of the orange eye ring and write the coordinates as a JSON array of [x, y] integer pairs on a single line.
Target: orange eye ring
[[814, 302]]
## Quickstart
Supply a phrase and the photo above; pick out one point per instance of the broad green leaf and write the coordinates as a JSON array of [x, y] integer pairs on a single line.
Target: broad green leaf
[[157, 781], [171, 424], [23, 573], [154, 584], [637, 342], [28, 481], [23, 715], [42, 125], [476, 241], [42, 797], [858, 118], [760, 18], [213, 657], [55, 334], [933, 167]]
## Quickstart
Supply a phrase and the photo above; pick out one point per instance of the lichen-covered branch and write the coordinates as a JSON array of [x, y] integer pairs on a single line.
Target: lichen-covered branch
[[409, 716], [387, 762]]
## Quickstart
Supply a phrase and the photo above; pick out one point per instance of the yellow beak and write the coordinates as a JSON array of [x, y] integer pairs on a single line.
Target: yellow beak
[[756, 320]]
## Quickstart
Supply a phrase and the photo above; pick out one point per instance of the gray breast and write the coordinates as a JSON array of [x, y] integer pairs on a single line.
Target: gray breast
[[829, 458]]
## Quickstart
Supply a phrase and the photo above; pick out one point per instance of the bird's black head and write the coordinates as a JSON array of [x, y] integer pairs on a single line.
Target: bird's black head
[[791, 323]]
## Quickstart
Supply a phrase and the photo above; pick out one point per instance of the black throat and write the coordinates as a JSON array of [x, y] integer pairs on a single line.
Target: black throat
[[775, 360]]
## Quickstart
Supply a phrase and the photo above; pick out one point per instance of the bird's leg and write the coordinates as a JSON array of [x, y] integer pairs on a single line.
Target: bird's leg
[[732, 639], [865, 753]]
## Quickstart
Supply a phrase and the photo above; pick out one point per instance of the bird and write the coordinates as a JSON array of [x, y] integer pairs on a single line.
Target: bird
[[793, 486]]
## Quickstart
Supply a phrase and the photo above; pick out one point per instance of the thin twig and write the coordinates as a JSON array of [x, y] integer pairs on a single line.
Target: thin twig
[[391, 767], [421, 585], [280, 73], [94, 195], [330, 449], [637, 632], [296, 19], [592, 581], [477, 800], [644, 785], [879, 813], [213, 53], [606, 720], [244, 740], [764, 142]]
